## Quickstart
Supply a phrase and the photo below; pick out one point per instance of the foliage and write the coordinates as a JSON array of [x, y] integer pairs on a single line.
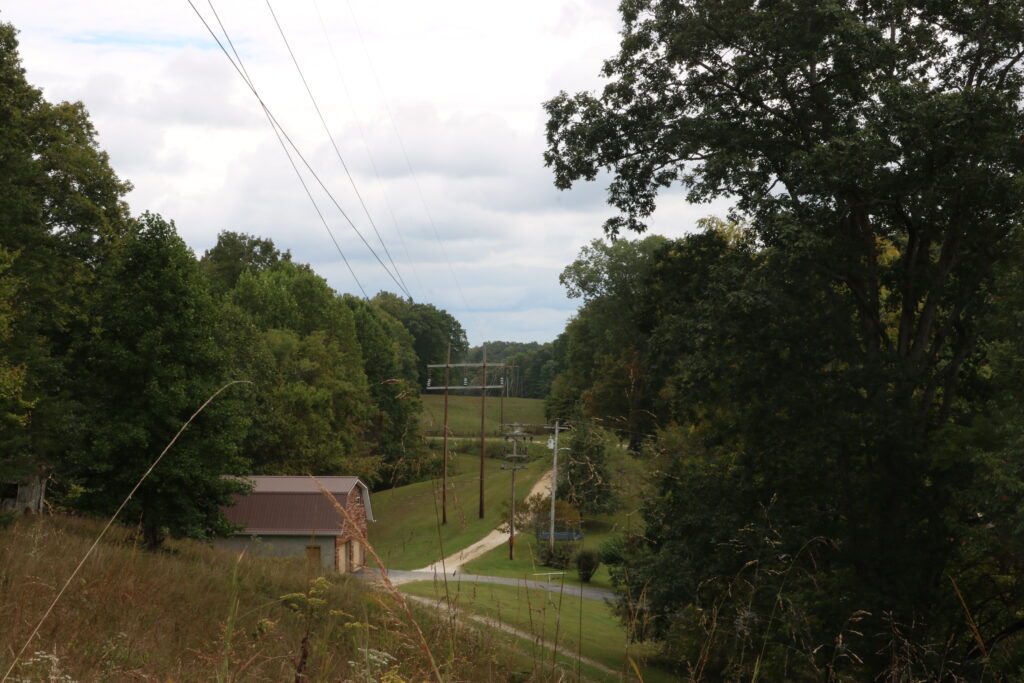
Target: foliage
[[13, 406], [530, 366], [389, 363], [149, 363], [312, 405], [559, 556], [583, 473], [236, 253], [831, 356], [432, 330], [587, 561], [62, 210]]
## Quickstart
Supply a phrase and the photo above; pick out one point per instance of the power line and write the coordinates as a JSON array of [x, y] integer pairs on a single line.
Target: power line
[[337, 151], [277, 134], [408, 163], [294, 147], [366, 146]]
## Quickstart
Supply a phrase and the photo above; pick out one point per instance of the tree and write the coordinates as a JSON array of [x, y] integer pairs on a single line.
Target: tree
[[432, 329], [389, 362], [150, 362], [62, 213], [585, 479], [13, 406], [312, 403], [236, 253], [874, 150]]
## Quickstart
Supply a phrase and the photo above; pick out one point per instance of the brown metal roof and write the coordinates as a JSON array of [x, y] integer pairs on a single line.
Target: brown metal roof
[[296, 505], [301, 484], [287, 513]]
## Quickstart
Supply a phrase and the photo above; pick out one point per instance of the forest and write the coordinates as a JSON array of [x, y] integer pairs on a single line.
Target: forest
[[826, 382]]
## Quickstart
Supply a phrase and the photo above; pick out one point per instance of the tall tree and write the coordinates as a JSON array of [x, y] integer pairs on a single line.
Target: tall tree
[[61, 212], [312, 403], [389, 362], [874, 149], [432, 330], [236, 253], [149, 363]]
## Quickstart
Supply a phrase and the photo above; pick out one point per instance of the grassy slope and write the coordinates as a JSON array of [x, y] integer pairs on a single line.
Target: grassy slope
[[464, 414], [196, 613], [628, 473], [406, 535], [595, 631]]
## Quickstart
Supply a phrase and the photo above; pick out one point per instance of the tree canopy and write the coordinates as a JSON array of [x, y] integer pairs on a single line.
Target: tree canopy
[[830, 377]]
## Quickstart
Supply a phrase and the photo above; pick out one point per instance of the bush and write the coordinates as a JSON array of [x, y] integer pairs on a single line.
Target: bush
[[613, 550], [560, 558], [587, 562]]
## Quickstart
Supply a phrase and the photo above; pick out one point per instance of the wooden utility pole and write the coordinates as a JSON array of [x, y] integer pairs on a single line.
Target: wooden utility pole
[[444, 467], [483, 401], [483, 386], [514, 465]]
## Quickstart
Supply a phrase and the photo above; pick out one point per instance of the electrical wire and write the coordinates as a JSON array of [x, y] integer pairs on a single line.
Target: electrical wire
[[273, 126], [366, 147], [408, 163], [298, 153], [337, 151]]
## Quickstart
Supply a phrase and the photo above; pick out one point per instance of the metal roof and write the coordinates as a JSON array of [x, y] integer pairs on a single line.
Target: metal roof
[[295, 505], [301, 484]]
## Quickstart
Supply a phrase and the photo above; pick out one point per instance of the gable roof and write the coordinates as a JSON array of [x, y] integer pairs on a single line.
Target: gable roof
[[299, 484], [296, 505]]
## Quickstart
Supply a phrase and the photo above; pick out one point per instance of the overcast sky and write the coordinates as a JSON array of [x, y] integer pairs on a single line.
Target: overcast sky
[[475, 227]]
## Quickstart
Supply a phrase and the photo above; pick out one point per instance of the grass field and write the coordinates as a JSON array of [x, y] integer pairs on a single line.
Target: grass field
[[464, 414], [196, 613], [406, 535], [628, 474], [585, 626]]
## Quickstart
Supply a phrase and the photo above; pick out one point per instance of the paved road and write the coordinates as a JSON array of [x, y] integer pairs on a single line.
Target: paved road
[[399, 577]]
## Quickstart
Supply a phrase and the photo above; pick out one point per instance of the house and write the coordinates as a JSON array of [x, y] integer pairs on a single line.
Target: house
[[291, 517]]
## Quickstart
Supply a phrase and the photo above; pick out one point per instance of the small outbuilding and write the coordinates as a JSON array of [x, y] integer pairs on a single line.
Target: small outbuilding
[[291, 517]]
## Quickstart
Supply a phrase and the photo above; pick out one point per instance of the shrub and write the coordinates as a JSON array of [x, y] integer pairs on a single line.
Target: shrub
[[587, 562], [560, 558], [613, 550]]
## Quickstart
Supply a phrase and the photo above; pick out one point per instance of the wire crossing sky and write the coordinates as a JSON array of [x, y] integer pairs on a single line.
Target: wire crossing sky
[[463, 82]]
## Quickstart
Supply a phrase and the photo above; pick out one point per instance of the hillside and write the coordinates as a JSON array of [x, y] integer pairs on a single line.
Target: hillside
[[464, 414], [194, 613]]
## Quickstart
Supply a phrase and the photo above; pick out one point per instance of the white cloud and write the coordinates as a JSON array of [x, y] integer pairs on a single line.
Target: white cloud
[[464, 82]]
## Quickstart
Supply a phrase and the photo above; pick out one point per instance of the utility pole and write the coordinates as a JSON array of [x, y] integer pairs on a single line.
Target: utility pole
[[516, 434], [483, 401], [554, 490], [444, 467], [465, 386]]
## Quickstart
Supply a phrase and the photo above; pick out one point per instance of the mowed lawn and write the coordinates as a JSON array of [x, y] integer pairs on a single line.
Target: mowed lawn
[[464, 414], [628, 477], [576, 625], [408, 533]]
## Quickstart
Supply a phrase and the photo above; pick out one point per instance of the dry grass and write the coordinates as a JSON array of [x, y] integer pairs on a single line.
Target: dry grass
[[196, 613]]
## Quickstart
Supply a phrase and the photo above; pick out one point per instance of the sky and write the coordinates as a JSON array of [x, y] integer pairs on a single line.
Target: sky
[[436, 110]]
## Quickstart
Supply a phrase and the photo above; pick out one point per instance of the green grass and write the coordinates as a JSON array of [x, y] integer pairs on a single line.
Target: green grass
[[628, 474], [464, 414], [587, 626], [406, 533]]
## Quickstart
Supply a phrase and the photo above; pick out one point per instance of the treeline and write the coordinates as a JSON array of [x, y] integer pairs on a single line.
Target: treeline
[[529, 366], [112, 333], [827, 386]]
